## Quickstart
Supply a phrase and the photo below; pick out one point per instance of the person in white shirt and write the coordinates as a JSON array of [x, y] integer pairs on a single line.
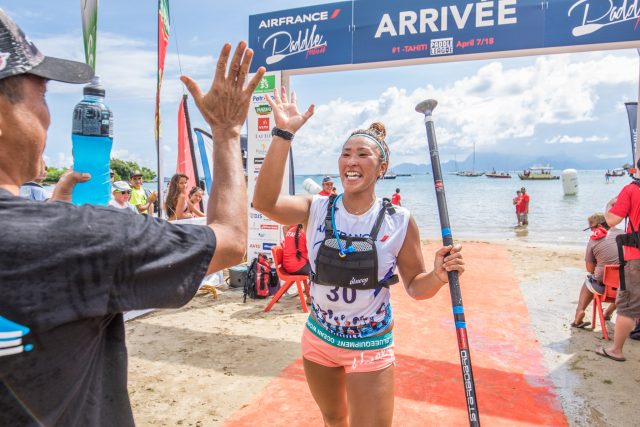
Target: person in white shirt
[[121, 194]]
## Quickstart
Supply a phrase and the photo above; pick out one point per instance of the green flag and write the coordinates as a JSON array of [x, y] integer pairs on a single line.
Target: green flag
[[89, 10]]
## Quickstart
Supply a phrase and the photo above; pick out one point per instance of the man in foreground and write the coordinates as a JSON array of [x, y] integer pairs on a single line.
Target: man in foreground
[[67, 273]]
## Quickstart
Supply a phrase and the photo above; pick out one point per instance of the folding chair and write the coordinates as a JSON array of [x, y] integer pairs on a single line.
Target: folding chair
[[288, 279], [611, 282]]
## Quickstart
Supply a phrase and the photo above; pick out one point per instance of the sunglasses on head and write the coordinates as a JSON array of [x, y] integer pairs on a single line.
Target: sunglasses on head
[[124, 192]]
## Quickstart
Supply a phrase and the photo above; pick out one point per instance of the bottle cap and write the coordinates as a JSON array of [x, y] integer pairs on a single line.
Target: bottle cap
[[93, 88]]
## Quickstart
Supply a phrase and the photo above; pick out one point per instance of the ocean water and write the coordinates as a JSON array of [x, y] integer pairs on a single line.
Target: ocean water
[[481, 207]]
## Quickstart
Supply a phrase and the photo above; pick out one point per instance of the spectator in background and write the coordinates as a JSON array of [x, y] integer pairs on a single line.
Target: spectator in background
[[327, 187], [295, 256], [195, 197], [627, 204], [516, 203], [33, 190], [121, 192], [176, 206], [601, 250], [395, 199], [524, 207], [142, 199]]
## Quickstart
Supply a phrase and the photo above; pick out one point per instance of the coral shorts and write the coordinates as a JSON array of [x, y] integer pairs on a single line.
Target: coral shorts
[[317, 351]]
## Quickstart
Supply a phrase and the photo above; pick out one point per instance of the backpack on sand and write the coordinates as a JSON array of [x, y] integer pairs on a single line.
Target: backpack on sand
[[258, 278]]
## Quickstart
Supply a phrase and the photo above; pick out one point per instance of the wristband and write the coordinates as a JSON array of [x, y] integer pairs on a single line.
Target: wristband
[[282, 134]]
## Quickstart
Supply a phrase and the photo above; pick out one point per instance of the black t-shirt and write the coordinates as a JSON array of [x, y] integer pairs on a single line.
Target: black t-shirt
[[67, 273]]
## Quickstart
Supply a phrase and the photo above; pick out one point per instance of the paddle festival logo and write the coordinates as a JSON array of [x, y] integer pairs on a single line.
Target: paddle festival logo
[[301, 38]]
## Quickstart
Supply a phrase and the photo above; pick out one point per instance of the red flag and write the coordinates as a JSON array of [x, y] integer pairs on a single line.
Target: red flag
[[163, 41], [185, 162]]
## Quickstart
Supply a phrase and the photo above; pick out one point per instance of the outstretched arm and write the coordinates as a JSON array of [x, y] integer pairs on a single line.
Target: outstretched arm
[[267, 199], [225, 108]]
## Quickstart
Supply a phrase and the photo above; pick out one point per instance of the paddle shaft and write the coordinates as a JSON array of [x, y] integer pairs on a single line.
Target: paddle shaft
[[426, 108]]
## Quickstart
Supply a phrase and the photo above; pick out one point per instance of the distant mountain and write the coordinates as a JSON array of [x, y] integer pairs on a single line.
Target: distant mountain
[[486, 161], [412, 168]]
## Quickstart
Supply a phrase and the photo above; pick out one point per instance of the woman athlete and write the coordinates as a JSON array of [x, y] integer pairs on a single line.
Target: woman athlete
[[355, 241]]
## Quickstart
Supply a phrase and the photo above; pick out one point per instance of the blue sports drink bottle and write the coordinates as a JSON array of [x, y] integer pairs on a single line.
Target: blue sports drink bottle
[[92, 139]]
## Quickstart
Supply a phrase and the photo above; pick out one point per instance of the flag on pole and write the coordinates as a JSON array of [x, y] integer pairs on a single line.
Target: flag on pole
[[89, 11], [163, 41], [185, 164], [632, 112]]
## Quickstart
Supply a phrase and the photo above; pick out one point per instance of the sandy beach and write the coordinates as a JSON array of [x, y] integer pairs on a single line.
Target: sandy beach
[[203, 363]]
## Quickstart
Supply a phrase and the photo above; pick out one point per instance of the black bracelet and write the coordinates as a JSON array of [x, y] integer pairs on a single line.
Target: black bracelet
[[282, 134]]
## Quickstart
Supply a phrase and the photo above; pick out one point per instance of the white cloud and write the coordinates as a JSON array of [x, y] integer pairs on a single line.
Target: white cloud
[[127, 67], [493, 105]]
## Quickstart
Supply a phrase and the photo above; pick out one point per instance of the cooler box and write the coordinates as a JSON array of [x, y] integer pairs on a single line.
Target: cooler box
[[237, 276]]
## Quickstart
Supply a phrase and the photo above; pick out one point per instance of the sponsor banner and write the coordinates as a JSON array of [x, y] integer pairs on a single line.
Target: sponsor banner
[[314, 36], [580, 22], [632, 112], [409, 29], [262, 230], [383, 31]]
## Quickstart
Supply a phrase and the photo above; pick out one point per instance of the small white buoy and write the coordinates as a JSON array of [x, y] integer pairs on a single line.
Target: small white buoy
[[311, 187], [570, 182]]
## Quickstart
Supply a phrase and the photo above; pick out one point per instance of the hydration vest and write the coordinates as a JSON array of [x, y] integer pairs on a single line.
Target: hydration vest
[[630, 239], [350, 262]]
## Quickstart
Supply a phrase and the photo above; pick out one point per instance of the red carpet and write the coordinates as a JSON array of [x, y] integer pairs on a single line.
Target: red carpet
[[511, 381]]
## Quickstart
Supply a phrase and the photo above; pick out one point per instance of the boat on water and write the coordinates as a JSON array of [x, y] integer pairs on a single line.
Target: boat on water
[[404, 174], [494, 174], [615, 172], [470, 173], [390, 175], [538, 173]]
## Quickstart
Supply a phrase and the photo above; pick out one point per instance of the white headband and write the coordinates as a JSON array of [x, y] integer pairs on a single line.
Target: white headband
[[382, 150]]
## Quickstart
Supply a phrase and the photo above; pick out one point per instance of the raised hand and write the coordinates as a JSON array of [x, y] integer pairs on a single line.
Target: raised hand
[[285, 113], [226, 104], [64, 188]]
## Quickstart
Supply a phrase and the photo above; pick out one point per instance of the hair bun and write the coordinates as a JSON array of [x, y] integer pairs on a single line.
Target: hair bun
[[379, 129]]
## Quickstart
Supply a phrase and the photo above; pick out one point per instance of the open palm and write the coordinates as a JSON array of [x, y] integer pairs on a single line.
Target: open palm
[[285, 112]]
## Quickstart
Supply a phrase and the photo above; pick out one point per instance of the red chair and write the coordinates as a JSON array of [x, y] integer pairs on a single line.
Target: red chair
[[611, 282], [288, 280]]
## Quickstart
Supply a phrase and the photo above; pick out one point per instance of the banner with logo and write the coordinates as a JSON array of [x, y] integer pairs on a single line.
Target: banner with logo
[[163, 42], [315, 36], [376, 31], [632, 112], [89, 12], [263, 233]]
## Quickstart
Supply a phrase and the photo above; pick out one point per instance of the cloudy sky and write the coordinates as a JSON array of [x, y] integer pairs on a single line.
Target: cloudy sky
[[568, 104]]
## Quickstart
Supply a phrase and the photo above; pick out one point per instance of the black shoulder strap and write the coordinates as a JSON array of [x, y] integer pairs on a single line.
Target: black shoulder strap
[[295, 239], [328, 229], [386, 207]]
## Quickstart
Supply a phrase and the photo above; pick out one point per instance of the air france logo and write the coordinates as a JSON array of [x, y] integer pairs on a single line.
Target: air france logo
[[11, 335], [600, 14], [283, 44]]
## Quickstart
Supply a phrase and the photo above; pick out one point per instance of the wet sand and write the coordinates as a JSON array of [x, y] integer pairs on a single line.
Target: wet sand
[[199, 365]]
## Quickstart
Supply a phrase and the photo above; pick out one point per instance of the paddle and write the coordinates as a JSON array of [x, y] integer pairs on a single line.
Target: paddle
[[426, 108]]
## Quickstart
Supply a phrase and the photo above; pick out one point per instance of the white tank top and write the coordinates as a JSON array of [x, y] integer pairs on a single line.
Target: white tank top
[[351, 313]]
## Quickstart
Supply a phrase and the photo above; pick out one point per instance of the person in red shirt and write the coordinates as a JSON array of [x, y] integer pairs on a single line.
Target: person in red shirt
[[395, 199], [327, 187], [627, 204], [524, 207], [516, 203], [295, 257]]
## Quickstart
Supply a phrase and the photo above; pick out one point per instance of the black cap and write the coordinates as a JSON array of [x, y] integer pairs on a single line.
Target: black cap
[[18, 55]]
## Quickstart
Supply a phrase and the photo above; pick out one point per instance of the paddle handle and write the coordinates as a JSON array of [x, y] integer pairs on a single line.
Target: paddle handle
[[426, 108]]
